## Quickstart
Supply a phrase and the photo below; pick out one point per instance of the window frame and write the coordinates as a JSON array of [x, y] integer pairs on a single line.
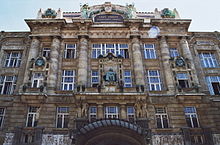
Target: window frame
[[150, 52], [173, 52], [70, 53], [46, 52], [94, 83], [130, 116], [92, 115], [161, 116], [2, 116], [63, 115], [185, 79], [152, 86], [127, 77], [111, 115], [39, 79], [63, 83], [11, 87], [34, 116], [208, 61], [191, 115], [209, 81], [16, 61]]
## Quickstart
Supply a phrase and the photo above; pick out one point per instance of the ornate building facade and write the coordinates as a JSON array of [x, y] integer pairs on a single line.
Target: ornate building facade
[[109, 75]]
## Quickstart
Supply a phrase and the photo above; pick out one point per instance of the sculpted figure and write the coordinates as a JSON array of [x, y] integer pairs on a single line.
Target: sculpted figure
[[84, 109], [85, 11], [110, 76]]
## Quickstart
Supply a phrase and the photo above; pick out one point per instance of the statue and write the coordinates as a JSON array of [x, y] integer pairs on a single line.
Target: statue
[[131, 11], [110, 76], [85, 11], [140, 109], [49, 13], [84, 109], [166, 13]]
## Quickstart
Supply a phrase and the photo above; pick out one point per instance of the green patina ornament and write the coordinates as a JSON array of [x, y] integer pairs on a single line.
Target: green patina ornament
[[166, 13], [49, 13]]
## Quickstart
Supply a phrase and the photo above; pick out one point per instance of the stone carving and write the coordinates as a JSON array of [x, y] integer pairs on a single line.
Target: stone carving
[[50, 139], [9, 139], [84, 109], [166, 13], [140, 109], [49, 13], [167, 140], [110, 76], [131, 11], [216, 139], [153, 32]]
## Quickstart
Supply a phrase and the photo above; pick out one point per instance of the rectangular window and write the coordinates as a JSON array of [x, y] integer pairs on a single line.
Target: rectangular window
[[161, 117], [213, 83], [191, 117], [62, 117], [32, 116], [13, 59], [174, 52], [154, 80], [2, 115], [37, 80], [111, 112], [94, 78], [149, 51], [92, 113], [182, 79], [46, 52], [7, 84], [70, 51], [130, 113], [127, 79], [208, 60], [68, 80], [116, 49]]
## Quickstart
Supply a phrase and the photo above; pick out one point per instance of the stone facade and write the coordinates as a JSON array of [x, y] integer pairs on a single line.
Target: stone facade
[[109, 75]]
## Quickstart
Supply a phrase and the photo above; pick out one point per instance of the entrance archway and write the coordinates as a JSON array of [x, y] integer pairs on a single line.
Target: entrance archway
[[110, 132]]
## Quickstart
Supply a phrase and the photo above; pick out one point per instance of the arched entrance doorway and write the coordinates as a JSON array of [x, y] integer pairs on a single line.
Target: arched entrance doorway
[[111, 132]]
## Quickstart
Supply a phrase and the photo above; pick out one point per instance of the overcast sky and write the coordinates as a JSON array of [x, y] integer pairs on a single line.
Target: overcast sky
[[205, 14]]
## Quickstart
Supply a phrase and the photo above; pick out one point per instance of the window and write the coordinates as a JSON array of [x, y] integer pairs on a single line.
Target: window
[[46, 52], [154, 80], [37, 80], [94, 78], [130, 113], [208, 60], [111, 112], [32, 116], [174, 52], [62, 117], [116, 49], [68, 80], [2, 115], [70, 51], [13, 59], [7, 84], [149, 51], [92, 113], [127, 79], [191, 117], [213, 83], [182, 79], [161, 117]]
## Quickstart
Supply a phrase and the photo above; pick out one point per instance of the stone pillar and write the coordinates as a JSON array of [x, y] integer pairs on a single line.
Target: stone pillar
[[54, 65], [187, 54], [137, 62], [83, 62], [100, 111], [33, 53], [123, 111], [166, 65]]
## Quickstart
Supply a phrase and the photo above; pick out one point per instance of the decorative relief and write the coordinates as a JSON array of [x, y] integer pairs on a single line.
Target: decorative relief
[[167, 140], [8, 139], [216, 139], [50, 139], [203, 42]]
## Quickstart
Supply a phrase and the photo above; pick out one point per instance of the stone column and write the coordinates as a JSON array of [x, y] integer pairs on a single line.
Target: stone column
[[33, 53], [123, 111], [187, 55], [54, 65], [83, 61], [100, 111], [137, 62], [166, 65]]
